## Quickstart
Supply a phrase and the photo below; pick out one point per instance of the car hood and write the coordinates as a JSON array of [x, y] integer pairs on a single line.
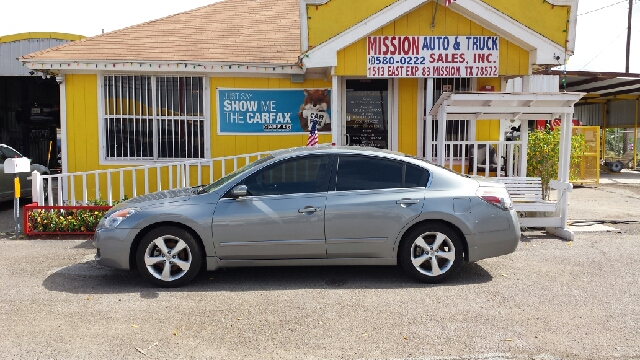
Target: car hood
[[159, 197]]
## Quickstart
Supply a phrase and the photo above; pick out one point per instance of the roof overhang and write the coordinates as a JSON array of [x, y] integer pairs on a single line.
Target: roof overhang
[[600, 85], [491, 105], [218, 68], [542, 50]]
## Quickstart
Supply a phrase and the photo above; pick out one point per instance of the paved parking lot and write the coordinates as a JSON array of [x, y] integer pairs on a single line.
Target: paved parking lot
[[551, 299]]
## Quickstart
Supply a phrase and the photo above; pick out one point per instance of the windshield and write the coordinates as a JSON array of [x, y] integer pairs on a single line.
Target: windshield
[[223, 180]]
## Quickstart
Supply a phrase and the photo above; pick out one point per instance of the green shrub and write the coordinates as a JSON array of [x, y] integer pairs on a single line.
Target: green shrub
[[543, 156], [67, 220]]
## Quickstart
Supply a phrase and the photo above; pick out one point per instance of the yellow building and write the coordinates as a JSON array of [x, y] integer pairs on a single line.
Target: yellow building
[[243, 76]]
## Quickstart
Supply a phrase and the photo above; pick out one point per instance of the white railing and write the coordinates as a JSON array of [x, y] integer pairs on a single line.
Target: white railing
[[177, 175], [502, 158]]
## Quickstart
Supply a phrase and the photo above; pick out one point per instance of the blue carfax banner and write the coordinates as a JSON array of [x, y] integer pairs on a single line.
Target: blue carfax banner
[[272, 111]]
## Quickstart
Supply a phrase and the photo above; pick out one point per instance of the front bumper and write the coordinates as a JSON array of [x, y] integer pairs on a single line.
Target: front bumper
[[113, 247]]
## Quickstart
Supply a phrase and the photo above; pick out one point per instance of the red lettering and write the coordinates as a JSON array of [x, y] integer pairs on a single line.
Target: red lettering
[[394, 46], [385, 46], [411, 70], [372, 45], [395, 71]]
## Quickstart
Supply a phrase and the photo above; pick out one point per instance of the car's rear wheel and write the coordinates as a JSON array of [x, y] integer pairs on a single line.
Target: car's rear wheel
[[169, 257], [431, 253]]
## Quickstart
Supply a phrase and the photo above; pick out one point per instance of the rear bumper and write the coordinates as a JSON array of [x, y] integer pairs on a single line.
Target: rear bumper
[[494, 243]]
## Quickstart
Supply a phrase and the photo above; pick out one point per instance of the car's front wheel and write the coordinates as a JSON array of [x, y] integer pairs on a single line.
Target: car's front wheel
[[169, 257], [431, 252]]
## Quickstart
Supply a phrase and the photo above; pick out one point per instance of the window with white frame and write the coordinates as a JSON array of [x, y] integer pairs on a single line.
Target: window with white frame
[[457, 131], [153, 117]]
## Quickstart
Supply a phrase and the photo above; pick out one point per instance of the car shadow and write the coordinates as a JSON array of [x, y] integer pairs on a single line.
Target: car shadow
[[532, 235], [90, 278]]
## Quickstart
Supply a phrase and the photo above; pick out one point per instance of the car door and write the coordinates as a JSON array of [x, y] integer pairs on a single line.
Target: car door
[[374, 198], [282, 216]]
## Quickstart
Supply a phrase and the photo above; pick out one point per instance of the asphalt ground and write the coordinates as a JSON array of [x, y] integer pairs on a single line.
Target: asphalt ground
[[551, 299]]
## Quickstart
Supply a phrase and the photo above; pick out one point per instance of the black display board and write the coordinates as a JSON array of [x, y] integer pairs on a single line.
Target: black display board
[[367, 119]]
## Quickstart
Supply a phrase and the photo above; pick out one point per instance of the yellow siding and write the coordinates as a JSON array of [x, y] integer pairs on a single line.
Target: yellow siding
[[540, 16], [408, 111], [328, 20]]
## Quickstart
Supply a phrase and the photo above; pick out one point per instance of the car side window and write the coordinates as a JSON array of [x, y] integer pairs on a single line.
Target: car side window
[[9, 153], [371, 173], [305, 174]]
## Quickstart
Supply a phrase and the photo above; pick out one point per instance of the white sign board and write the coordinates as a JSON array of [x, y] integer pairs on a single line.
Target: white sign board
[[432, 56]]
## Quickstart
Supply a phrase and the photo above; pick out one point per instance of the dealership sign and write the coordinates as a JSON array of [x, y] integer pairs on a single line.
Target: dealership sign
[[432, 56]]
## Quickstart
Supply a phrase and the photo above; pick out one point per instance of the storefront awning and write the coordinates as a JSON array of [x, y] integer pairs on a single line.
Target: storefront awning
[[490, 105]]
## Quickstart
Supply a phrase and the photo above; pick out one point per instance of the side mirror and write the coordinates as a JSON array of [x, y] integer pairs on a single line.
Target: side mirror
[[239, 191]]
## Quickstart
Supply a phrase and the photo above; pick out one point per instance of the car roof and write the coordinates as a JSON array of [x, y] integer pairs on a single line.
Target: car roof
[[332, 149]]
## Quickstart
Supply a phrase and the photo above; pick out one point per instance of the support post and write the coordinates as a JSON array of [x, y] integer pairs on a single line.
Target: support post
[[442, 132], [37, 192], [563, 177], [336, 110], [16, 204], [635, 136]]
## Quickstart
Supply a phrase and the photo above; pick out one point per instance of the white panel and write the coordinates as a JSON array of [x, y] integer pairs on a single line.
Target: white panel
[[541, 83], [11, 51]]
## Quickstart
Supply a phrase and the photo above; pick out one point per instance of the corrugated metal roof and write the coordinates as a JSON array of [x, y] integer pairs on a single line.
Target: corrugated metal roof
[[16, 45], [244, 31]]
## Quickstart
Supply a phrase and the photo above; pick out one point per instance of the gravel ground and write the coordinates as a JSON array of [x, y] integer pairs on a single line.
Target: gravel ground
[[551, 299]]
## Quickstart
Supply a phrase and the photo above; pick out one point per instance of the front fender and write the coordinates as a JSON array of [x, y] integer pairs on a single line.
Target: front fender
[[190, 216]]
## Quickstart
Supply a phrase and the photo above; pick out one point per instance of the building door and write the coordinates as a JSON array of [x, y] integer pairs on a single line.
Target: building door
[[367, 109]]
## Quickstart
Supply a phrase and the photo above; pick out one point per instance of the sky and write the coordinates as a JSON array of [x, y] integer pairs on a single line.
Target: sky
[[600, 45]]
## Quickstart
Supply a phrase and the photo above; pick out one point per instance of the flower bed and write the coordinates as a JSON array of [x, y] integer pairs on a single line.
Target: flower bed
[[54, 220]]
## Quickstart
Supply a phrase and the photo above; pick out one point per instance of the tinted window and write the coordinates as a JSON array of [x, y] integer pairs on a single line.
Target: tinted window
[[415, 176], [300, 175], [369, 173], [9, 153]]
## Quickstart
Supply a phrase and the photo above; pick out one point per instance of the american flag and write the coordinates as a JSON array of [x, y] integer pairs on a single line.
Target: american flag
[[313, 134], [448, 2]]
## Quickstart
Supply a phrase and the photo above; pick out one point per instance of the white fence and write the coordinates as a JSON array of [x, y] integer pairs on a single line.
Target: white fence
[[177, 175], [484, 158]]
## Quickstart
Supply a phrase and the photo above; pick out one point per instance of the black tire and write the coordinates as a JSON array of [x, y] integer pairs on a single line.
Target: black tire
[[616, 166], [418, 246], [183, 266]]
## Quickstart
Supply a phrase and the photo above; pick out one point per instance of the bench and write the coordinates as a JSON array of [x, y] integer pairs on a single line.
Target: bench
[[526, 193]]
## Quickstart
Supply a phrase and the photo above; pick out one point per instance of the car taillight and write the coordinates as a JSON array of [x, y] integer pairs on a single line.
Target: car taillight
[[496, 196]]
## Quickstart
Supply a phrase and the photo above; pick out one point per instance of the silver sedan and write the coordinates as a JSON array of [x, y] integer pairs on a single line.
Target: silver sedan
[[313, 206]]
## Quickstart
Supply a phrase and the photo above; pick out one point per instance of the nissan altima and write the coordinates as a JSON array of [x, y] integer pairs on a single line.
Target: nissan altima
[[313, 206]]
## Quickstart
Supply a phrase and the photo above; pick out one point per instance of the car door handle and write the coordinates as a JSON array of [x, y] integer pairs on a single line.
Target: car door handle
[[407, 201], [309, 209]]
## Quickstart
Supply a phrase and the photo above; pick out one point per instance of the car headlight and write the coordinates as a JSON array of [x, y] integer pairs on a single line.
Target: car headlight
[[114, 219]]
